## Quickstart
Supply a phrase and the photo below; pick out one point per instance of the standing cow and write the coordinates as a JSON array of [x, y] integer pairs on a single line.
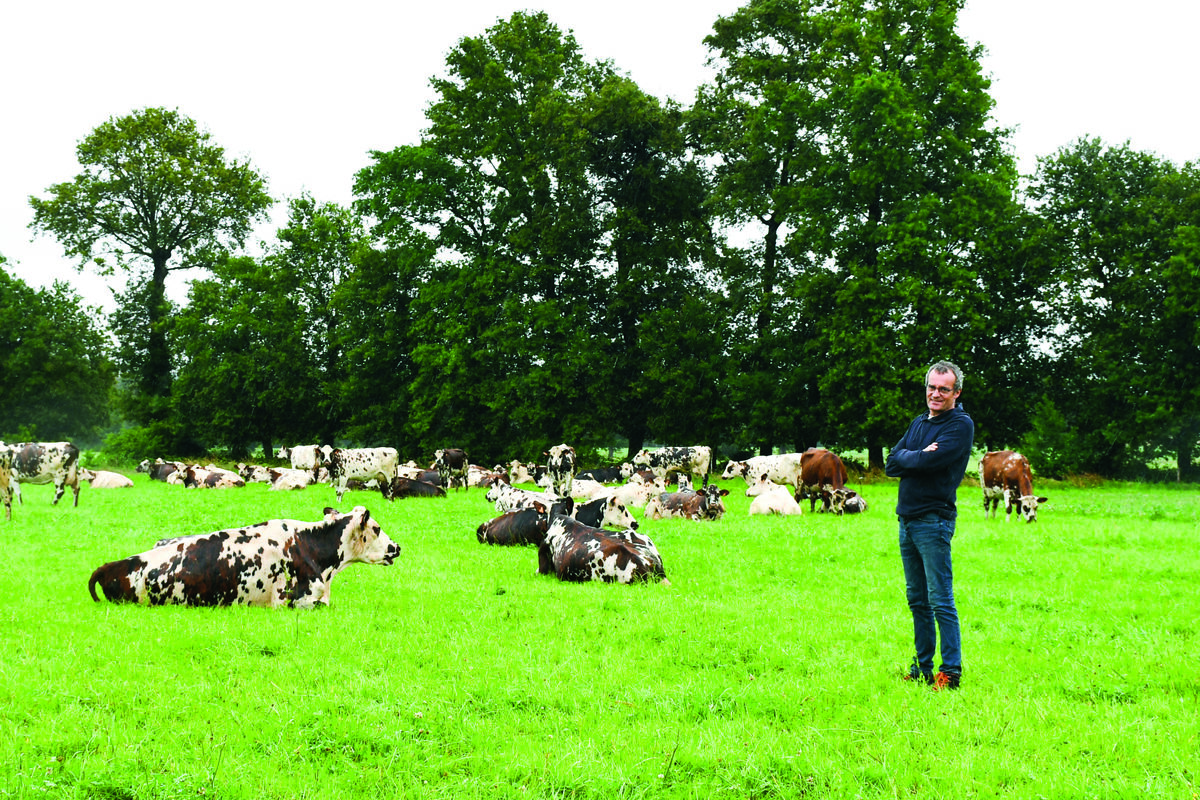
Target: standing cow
[[560, 468], [1003, 473], [695, 461], [362, 463], [452, 464], [45, 462], [275, 563], [784, 469], [823, 475]]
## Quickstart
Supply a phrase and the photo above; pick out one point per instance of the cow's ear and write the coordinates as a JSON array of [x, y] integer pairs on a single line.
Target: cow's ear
[[538, 507], [1043, 499], [330, 512], [724, 492]]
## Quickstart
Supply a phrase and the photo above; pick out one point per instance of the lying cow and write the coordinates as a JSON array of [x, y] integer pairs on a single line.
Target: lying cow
[[577, 552], [604, 511], [277, 563], [522, 526], [772, 498], [511, 498], [102, 479], [407, 487], [608, 474], [195, 477], [1003, 473], [688, 504], [284, 479], [160, 470]]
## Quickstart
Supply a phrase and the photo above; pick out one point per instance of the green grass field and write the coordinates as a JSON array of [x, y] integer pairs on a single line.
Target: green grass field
[[769, 668]]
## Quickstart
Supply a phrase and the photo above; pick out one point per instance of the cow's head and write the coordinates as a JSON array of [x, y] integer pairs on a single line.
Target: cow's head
[[1029, 506], [716, 508], [617, 515], [735, 469], [761, 486], [642, 458], [365, 541]]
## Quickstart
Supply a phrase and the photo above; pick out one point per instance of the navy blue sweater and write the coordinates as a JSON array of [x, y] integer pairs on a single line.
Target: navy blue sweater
[[929, 481]]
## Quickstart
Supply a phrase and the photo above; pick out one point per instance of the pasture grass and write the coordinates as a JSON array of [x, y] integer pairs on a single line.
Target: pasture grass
[[769, 668]]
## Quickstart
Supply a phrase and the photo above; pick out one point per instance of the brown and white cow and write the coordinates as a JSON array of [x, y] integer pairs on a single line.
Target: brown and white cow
[[400, 488], [281, 562], [695, 461], [688, 504], [577, 552], [6, 480], [45, 462], [197, 477], [362, 463], [452, 464], [102, 479], [823, 475], [1003, 473], [560, 468]]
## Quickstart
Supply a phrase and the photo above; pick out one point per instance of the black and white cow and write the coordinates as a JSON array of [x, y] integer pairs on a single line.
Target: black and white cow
[[511, 498], [160, 470], [560, 467], [577, 552], [362, 463], [452, 464], [277, 563], [784, 469], [695, 461], [602, 512], [45, 462], [615, 474]]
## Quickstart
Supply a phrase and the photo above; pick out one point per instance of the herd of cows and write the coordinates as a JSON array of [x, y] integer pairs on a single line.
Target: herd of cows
[[570, 518]]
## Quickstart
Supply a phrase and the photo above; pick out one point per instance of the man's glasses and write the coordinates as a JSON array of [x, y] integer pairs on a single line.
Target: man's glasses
[[943, 390]]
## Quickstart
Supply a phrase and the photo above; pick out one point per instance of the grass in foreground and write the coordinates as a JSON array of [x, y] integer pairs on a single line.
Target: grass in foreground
[[769, 668]]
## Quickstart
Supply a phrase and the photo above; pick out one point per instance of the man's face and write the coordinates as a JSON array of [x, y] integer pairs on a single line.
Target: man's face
[[939, 392]]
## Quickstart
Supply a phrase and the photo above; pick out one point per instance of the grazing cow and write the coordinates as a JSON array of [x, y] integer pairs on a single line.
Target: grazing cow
[[608, 474], [277, 563], [560, 467], [6, 480], [604, 511], [776, 499], [522, 526], [1003, 473], [783, 469], [577, 552], [688, 504], [407, 487], [823, 475], [305, 456], [101, 479], [45, 462], [363, 463], [452, 463], [695, 461]]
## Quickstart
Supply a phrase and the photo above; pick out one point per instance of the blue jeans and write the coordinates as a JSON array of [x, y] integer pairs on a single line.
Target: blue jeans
[[929, 579]]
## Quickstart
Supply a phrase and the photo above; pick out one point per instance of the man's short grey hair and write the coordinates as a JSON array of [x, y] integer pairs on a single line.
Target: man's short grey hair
[[943, 367]]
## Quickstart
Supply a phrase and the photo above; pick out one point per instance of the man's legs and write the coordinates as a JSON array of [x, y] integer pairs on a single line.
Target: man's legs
[[929, 581]]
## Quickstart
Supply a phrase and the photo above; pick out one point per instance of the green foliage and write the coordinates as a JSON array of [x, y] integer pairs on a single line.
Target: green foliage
[[55, 362], [458, 672]]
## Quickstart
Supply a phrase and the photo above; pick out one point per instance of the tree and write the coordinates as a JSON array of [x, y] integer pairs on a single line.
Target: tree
[[54, 357], [1123, 224], [858, 130], [155, 195]]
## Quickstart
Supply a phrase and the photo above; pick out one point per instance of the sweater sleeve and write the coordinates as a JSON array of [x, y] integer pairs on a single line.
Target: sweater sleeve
[[909, 457]]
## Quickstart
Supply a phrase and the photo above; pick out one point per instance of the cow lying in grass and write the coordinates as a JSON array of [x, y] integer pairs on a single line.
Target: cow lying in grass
[[577, 552], [281, 562]]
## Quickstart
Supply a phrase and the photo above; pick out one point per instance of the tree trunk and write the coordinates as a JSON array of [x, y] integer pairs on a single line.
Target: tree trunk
[[157, 378]]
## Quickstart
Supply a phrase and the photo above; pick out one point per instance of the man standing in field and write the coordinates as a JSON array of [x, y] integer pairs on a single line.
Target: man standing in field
[[930, 460]]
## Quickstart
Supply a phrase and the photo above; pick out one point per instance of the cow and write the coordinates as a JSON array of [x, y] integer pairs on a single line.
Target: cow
[[1003, 473], [588, 489], [305, 456], [253, 473], [604, 511], [276, 563], [607, 474], [101, 479], [6, 480], [363, 463], [775, 500], [855, 503], [197, 477], [285, 479], [688, 504], [635, 494], [452, 464], [45, 462], [823, 476], [160, 470], [510, 498], [577, 552], [522, 526], [407, 487], [783, 469], [560, 467], [695, 461]]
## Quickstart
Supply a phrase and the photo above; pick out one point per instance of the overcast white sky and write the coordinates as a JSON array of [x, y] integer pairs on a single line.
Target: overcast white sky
[[305, 89]]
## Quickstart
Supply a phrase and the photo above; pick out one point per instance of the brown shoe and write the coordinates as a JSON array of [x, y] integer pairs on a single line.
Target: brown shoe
[[945, 680]]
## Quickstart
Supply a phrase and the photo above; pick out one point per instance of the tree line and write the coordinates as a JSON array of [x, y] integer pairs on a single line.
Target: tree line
[[564, 257]]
